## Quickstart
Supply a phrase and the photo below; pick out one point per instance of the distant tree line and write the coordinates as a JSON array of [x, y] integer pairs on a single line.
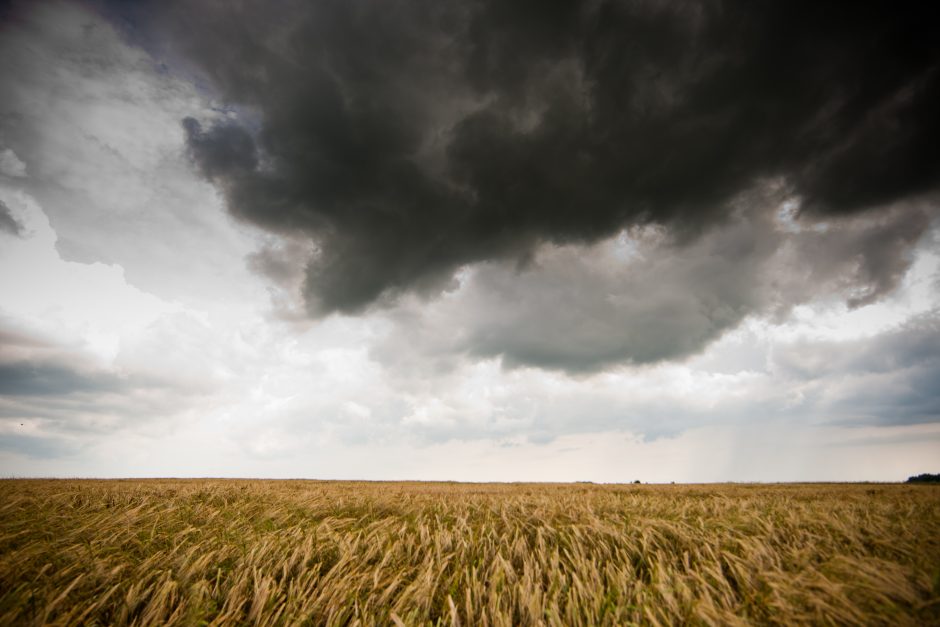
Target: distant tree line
[[924, 478]]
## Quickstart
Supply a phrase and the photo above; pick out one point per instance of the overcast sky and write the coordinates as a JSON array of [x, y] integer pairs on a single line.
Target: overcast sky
[[473, 240]]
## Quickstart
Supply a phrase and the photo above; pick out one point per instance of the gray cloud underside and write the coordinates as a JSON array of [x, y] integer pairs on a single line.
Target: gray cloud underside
[[43, 381], [889, 379], [410, 139], [8, 223], [642, 300], [892, 378], [51, 409], [26, 378]]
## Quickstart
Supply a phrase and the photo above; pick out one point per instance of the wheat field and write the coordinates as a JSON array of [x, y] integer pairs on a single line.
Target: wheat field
[[246, 552]]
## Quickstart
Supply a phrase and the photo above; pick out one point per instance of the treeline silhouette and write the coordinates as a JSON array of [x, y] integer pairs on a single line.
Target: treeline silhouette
[[924, 478]]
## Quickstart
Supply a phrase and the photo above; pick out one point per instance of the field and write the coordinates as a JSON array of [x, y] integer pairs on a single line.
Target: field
[[197, 552]]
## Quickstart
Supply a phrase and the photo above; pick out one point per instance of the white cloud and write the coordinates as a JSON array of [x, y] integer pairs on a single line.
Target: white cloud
[[98, 122], [67, 300]]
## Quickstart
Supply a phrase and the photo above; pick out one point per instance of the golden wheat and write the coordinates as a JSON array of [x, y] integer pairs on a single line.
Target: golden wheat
[[195, 552]]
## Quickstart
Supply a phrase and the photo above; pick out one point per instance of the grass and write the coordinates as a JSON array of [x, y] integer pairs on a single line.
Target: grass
[[198, 552]]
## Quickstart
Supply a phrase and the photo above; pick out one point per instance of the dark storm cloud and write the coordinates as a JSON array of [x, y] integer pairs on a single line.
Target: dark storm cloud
[[8, 223], [408, 139]]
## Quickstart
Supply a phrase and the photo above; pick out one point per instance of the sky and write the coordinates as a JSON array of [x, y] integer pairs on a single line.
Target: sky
[[470, 240]]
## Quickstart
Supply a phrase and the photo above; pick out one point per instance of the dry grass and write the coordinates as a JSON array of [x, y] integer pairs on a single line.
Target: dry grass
[[301, 552]]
